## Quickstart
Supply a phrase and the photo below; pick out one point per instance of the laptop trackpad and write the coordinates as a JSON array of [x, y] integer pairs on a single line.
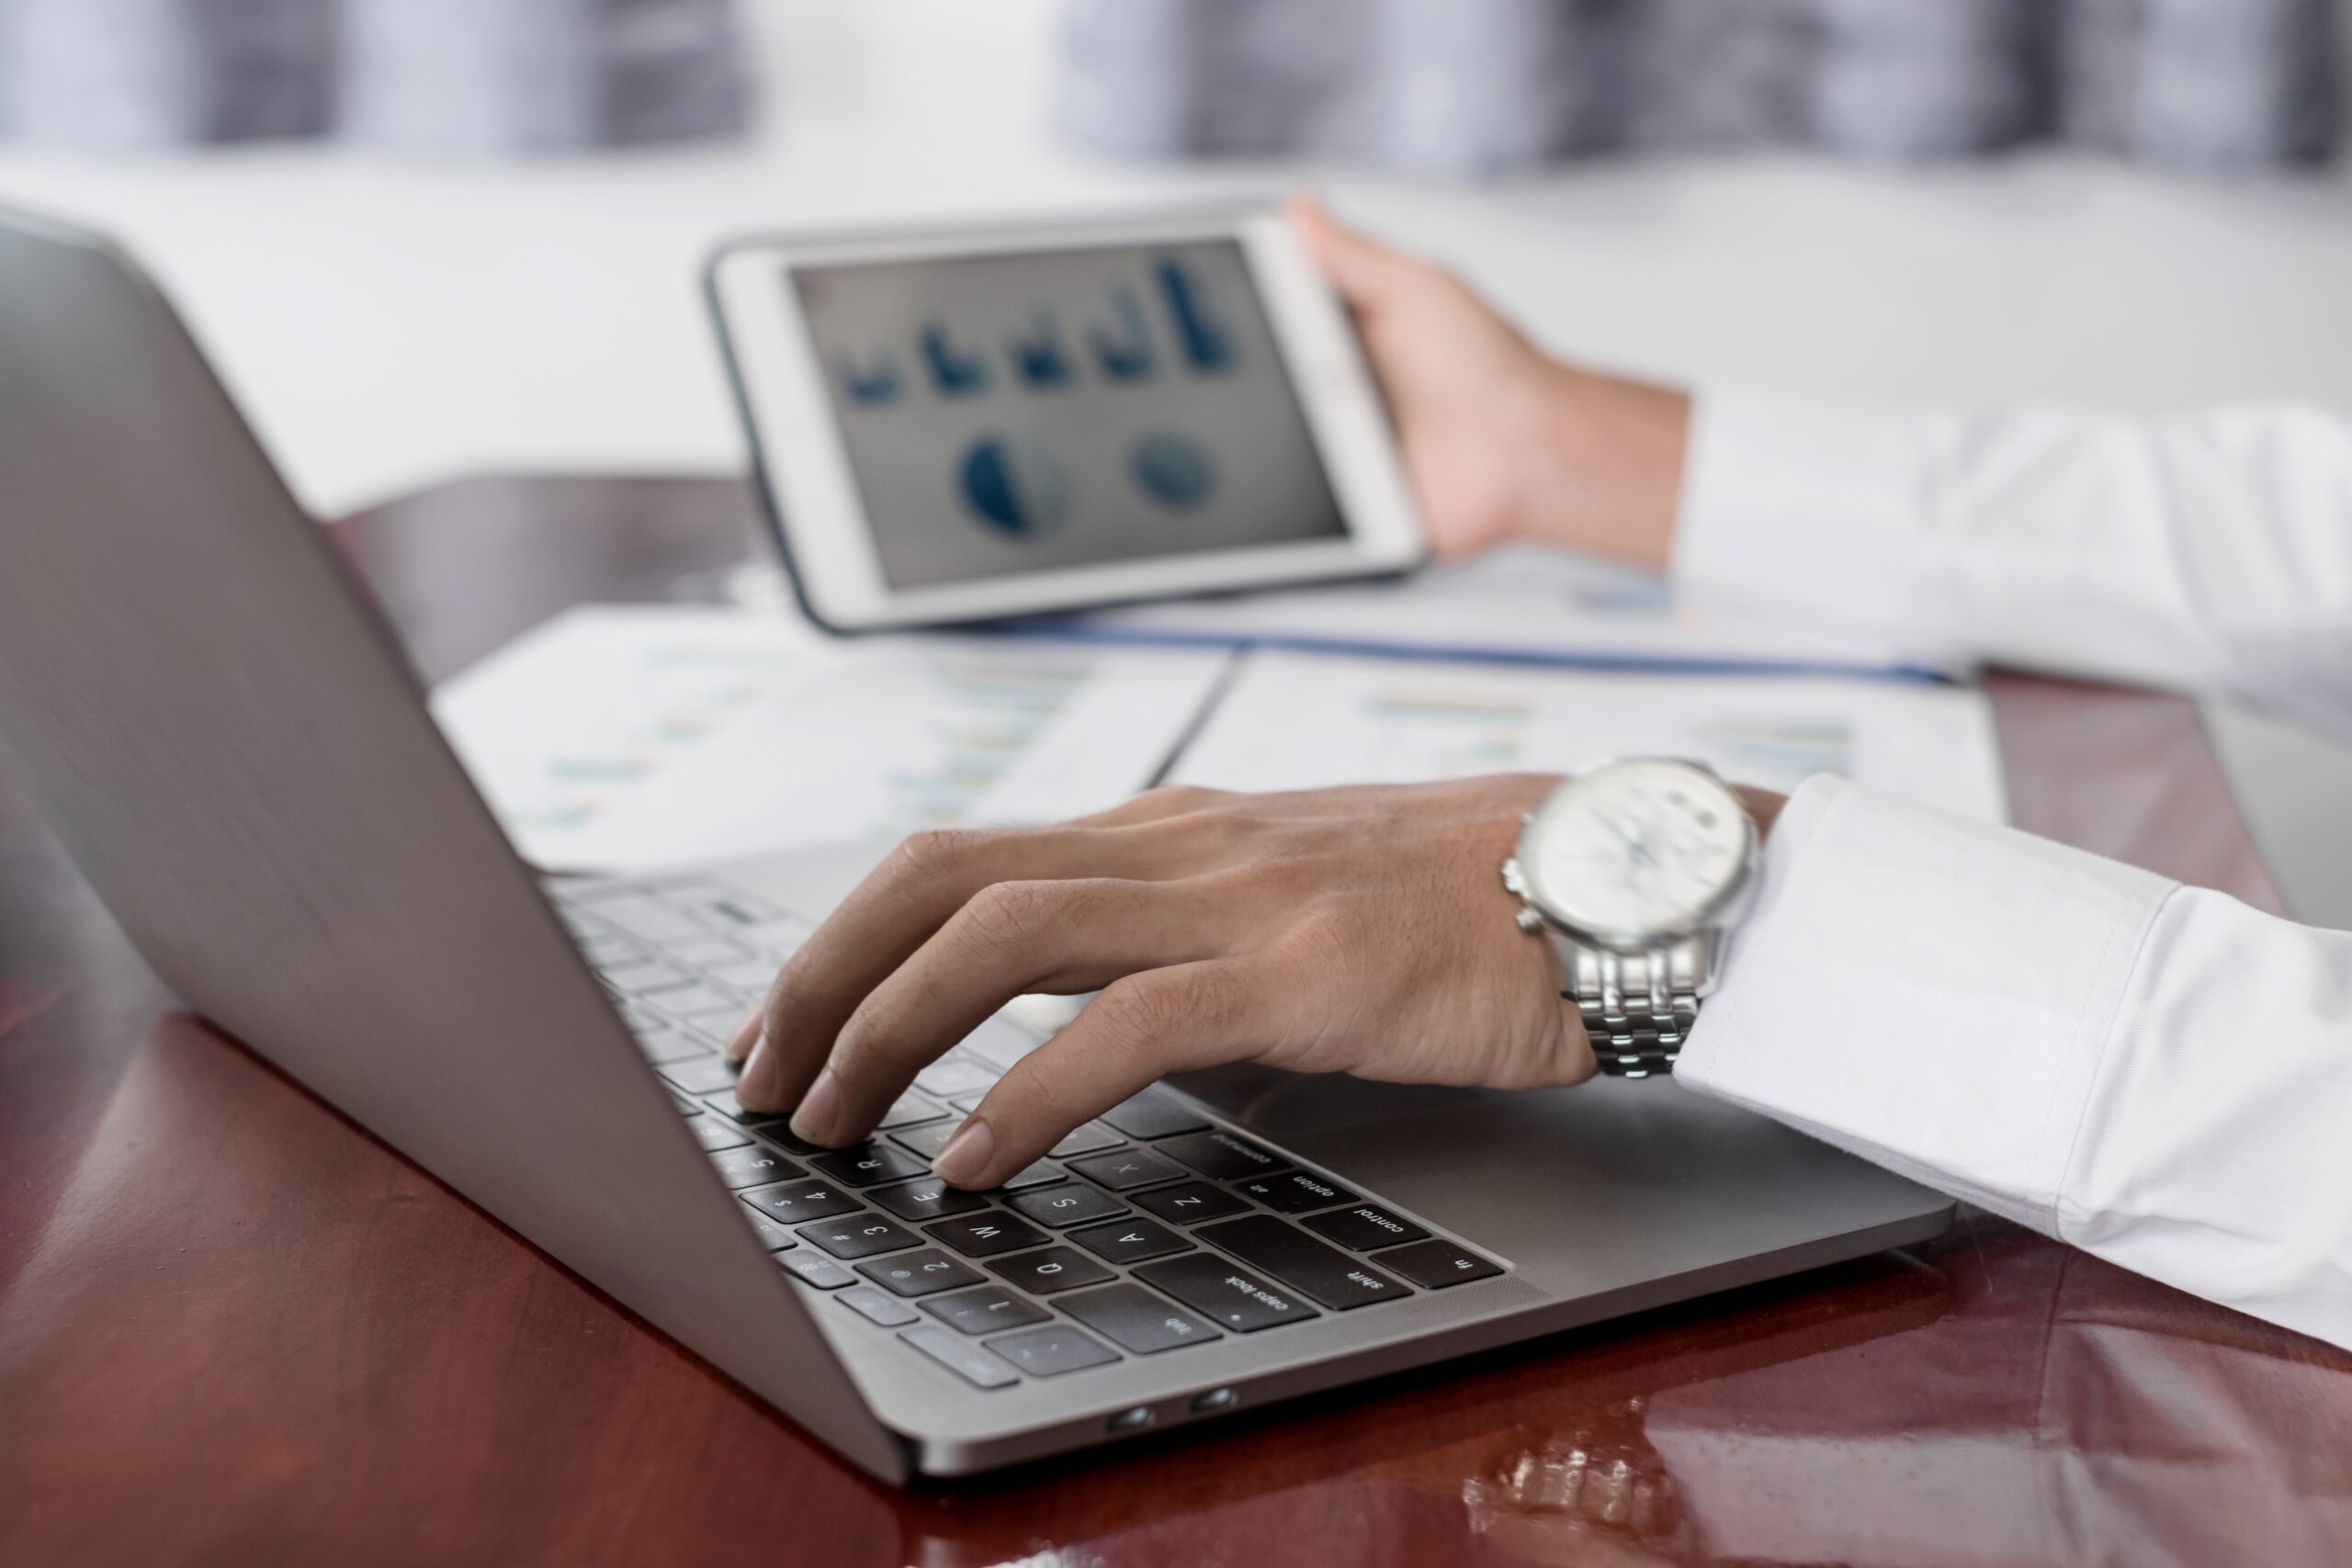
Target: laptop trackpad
[[1284, 1106], [1587, 1189]]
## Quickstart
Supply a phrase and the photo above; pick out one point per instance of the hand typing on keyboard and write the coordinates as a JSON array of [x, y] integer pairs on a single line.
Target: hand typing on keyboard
[[1359, 929]]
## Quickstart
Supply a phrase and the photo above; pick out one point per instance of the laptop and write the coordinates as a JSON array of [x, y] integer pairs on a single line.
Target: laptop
[[225, 733]]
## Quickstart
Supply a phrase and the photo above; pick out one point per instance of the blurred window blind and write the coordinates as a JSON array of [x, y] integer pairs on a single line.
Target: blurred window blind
[[448, 76], [1478, 86]]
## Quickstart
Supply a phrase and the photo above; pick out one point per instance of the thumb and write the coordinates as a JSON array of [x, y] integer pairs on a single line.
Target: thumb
[[1364, 273]]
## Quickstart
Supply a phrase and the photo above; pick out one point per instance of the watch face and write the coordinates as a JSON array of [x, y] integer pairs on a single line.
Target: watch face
[[1636, 851]]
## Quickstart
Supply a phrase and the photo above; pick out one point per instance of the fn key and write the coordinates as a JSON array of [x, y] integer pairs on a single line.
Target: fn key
[[1433, 1265]]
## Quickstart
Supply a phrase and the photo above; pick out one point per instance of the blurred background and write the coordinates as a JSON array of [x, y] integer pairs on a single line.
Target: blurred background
[[426, 237]]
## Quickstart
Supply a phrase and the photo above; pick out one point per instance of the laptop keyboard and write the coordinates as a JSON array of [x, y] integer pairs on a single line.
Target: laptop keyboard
[[1146, 1231]]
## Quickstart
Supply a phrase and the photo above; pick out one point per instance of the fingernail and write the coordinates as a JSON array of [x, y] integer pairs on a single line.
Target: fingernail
[[755, 1088], [965, 1155], [746, 1038], [814, 1119]]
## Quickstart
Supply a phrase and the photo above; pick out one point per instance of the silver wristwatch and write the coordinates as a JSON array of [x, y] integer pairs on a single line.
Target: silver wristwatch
[[1636, 870]]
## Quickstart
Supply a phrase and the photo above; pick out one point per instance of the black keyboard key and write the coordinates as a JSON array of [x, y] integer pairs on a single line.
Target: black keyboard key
[[1295, 1192], [727, 908], [816, 1269], [796, 1203], [926, 1141], [920, 1273], [1136, 1319], [754, 1165], [1085, 1140], [1434, 1265], [861, 1235], [868, 1165], [1324, 1273], [1221, 1157], [663, 1047], [698, 1002], [929, 1199], [725, 1104], [1053, 1351], [1154, 1113], [1191, 1203], [966, 1360], [720, 958], [1365, 1227], [1036, 1173], [909, 1108], [877, 1306], [986, 1235], [775, 1237], [776, 1133], [716, 1134], [956, 1076], [645, 917], [1122, 1168], [1050, 1270], [770, 1126], [1068, 1204], [728, 1106], [1230, 1296], [1129, 1240], [986, 1310], [609, 948], [641, 974], [701, 1075]]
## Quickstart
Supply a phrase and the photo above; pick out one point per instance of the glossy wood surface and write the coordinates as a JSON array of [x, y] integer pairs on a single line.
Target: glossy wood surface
[[236, 1330]]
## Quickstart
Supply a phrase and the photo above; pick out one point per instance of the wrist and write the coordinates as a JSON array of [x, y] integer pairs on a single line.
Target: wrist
[[1599, 465], [1763, 805]]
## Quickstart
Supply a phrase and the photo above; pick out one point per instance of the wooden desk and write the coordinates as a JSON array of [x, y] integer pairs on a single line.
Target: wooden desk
[[234, 1329]]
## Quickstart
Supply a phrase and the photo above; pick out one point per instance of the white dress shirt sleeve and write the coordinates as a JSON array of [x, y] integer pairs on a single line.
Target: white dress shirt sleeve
[[2209, 551], [2158, 1075]]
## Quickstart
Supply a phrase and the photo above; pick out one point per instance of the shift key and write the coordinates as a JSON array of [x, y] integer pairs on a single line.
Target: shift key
[[1233, 1297], [1322, 1272]]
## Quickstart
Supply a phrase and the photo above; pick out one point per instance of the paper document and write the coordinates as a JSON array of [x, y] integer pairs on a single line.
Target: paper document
[[1299, 720], [1525, 604], [631, 738]]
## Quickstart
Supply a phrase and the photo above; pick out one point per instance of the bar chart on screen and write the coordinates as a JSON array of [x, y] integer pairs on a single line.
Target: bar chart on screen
[[1294, 720], [633, 738]]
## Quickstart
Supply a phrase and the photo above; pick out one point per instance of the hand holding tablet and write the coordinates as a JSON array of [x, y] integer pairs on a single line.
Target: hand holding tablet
[[966, 424]]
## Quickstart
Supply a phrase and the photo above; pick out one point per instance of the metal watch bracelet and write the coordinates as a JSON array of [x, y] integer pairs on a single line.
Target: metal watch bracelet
[[1637, 1006]]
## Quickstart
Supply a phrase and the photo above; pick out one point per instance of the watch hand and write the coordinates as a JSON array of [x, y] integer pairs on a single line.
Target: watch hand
[[1639, 846]]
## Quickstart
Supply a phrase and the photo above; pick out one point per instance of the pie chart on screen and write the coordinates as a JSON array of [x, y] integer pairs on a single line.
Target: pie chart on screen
[[1173, 472], [1014, 487]]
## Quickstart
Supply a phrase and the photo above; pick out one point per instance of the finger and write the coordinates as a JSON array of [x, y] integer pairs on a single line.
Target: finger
[[895, 910], [1138, 1031], [1365, 274], [1012, 938], [747, 1034], [889, 914]]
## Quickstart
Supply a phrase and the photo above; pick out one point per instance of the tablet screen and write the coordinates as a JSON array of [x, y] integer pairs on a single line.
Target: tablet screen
[[1008, 414]]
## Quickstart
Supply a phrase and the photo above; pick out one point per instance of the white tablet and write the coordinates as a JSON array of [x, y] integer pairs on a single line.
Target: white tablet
[[969, 423]]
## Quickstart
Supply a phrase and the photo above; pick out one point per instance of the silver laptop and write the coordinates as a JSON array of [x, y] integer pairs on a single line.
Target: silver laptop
[[229, 739]]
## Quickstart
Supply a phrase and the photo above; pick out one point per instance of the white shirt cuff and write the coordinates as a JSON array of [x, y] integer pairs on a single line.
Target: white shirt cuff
[[1925, 990], [1812, 508]]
